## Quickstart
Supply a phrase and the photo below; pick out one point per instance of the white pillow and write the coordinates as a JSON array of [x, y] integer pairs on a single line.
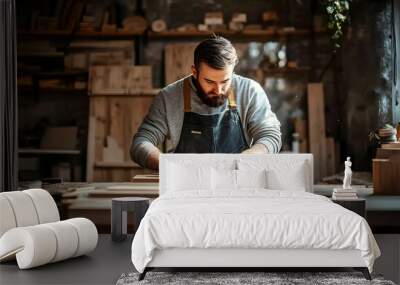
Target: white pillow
[[226, 179], [281, 174], [251, 178], [223, 179], [183, 177], [278, 180]]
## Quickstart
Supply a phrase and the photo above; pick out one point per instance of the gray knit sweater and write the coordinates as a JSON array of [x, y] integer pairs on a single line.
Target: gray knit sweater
[[165, 118]]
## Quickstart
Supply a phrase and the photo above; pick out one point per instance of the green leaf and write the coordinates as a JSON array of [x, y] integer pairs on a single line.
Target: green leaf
[[329, 9]]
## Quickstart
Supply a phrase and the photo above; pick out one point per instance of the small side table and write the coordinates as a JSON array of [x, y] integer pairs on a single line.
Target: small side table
[[120, 207], [355, 205]]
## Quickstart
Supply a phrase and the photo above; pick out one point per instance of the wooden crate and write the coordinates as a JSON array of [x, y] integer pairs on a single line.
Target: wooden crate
[[113, 122]]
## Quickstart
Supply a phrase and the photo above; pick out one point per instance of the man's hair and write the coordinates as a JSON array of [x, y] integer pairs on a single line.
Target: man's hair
[[217, 52]]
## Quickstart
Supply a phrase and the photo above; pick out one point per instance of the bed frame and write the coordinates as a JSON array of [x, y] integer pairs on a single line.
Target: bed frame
[[248, 259]]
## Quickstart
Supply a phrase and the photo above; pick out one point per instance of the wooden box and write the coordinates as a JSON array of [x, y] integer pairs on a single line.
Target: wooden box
[[386, 172]]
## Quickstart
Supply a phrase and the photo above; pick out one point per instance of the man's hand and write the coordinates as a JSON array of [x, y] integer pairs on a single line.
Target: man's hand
[[152, 161], [256, 149]]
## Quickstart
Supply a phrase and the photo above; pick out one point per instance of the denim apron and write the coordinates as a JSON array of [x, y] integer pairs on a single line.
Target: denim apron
[[217, 133]]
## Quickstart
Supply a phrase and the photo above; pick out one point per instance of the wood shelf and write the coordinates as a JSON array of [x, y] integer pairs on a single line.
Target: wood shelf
[[103, 164], [57, 74], [51, 54], [65, 34], [52, 90], [44, 34], [48, 151], [65, 73], [116, 34], [245, 34], [150, 92]]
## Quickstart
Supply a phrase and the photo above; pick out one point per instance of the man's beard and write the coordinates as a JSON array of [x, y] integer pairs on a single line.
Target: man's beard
[[214, 101]]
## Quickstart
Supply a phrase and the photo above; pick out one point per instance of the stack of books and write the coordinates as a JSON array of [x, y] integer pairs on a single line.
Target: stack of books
[[344, 194]]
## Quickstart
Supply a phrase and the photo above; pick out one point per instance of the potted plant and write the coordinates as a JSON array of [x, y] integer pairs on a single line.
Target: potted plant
[[337, 16]]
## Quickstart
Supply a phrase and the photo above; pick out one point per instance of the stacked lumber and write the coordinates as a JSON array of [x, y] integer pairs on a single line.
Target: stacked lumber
[[121, 96]]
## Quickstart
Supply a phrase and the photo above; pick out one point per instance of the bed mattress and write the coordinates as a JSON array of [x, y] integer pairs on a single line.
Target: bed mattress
[[250, 219]]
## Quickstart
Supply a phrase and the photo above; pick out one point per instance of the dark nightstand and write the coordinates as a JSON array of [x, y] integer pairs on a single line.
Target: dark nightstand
[[355, 205], [119, 209]]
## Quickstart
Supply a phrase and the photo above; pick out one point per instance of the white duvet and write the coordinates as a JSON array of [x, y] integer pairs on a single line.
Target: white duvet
[[251, 218]]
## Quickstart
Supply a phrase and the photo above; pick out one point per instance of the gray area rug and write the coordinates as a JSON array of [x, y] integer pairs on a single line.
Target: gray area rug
[[228, 278]]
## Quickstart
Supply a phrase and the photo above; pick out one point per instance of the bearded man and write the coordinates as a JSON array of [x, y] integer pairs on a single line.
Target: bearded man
[[213, 110]]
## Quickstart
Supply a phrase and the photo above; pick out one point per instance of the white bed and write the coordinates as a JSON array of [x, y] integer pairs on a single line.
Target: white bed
[[229, 210]]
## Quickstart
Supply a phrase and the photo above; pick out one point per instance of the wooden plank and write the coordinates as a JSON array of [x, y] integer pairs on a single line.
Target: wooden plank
[[107, 58], [125, 164], [316, 128], [330, 157], [139, 78], [300, 127], [178, 61], [99, 110], [91, 148], [130, 129], [117, 120], [119, 78], [112, 152], [117, 117]]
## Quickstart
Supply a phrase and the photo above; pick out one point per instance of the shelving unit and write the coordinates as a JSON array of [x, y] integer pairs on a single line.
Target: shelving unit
[[244, 35], [64, 40], [68, 35]]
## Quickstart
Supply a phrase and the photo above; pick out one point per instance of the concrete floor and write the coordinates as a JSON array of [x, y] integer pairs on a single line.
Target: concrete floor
[[102, 266], [111, 259]]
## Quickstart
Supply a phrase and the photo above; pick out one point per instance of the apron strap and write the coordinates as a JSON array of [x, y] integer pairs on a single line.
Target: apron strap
[[186, 95], [231, 99]]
